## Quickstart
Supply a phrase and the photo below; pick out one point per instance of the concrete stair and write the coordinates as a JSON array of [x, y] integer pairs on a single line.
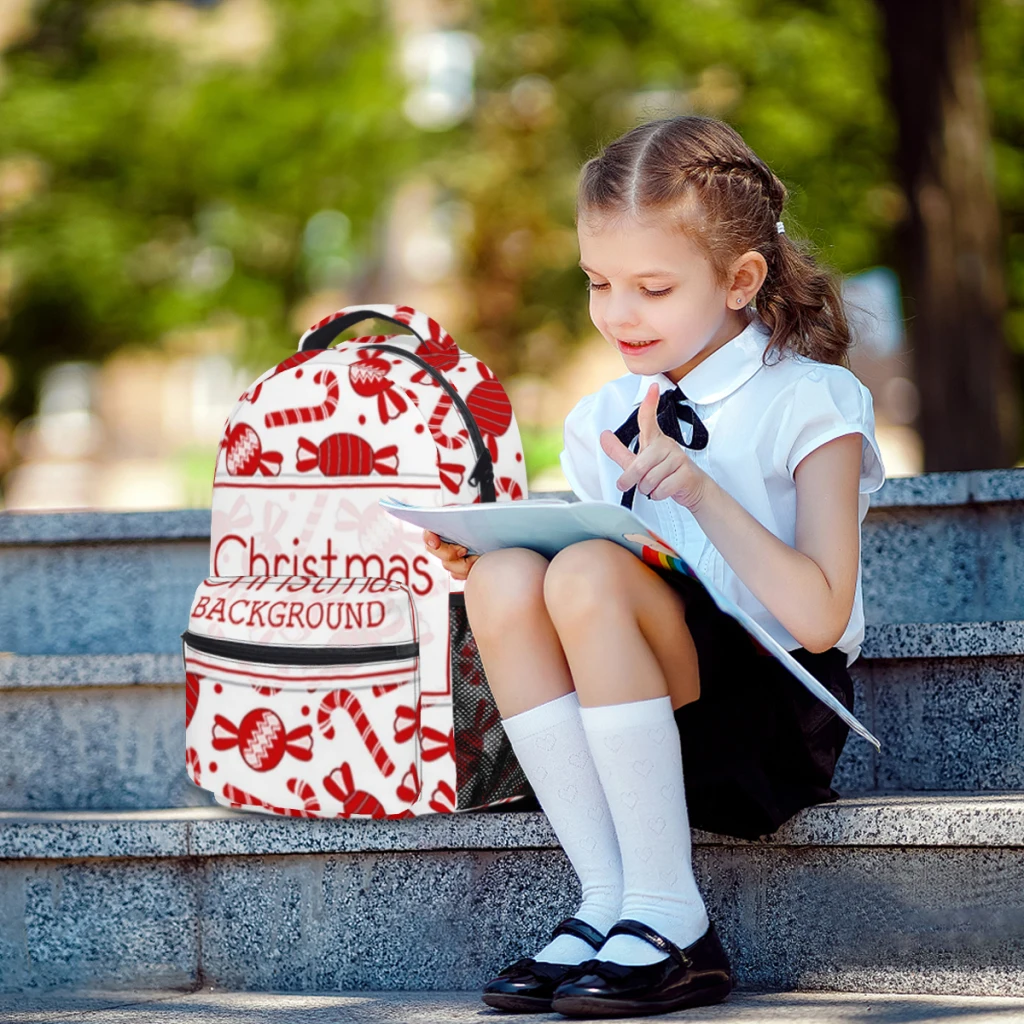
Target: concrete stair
[[117, 872], [213, 1006]]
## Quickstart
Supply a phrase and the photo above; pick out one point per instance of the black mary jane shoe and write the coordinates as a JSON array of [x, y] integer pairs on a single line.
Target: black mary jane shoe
[[698, 975], [526, 985]]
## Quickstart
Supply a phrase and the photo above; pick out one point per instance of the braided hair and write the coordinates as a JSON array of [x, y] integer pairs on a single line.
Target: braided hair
[[727, 201]]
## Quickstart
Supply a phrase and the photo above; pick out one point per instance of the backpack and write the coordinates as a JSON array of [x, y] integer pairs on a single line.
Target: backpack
[[330, 668]]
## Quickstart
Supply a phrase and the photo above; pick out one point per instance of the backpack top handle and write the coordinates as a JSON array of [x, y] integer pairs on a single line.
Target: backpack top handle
[[321, 334]]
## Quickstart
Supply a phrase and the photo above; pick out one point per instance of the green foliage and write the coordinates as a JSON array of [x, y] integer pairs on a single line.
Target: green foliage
[[541, 449], [178, 188]]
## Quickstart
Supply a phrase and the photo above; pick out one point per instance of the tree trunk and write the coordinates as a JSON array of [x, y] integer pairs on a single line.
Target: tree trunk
[[950, 242]]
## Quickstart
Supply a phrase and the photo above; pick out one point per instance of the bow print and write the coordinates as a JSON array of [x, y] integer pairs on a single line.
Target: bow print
[[436, 744]]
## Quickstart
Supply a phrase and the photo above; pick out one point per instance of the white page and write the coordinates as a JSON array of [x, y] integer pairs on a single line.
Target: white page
[[547, 525]]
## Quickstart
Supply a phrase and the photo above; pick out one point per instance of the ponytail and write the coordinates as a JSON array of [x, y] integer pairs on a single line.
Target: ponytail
[[801, 304]]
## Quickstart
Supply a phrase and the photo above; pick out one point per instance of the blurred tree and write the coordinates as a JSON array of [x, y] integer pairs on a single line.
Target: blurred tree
[[952, 256], [163, 166], [800, 81]]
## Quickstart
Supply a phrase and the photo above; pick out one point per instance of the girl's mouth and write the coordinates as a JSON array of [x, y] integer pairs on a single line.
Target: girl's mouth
[[633, 347]]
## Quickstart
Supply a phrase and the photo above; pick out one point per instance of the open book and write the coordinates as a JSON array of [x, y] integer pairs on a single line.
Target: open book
[[547, 525]]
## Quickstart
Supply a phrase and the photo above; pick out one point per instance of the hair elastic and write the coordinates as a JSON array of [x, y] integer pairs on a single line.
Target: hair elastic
[[778, 227]]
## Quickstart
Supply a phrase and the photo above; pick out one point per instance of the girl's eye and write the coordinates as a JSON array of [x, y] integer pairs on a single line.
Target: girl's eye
[[593, 286]]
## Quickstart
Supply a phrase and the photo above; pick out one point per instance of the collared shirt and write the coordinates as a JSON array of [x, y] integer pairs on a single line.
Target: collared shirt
[[762, 420]]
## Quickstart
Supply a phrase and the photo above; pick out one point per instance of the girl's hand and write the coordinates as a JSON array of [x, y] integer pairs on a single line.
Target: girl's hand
[[453, 556], [661, 468]]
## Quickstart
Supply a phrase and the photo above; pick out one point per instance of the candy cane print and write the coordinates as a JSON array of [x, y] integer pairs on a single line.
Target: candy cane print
[[305, 792], [239, 798], [347, 700], [309, 413], [457, 440], [192, 765], [287, 364]]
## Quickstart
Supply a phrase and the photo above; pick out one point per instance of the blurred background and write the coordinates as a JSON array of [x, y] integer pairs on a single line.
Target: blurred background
[[186, 186]]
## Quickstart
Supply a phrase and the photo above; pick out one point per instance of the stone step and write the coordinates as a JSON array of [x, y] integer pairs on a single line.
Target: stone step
[[889, 893], [212, 1006], [939, 698], [944, 547]]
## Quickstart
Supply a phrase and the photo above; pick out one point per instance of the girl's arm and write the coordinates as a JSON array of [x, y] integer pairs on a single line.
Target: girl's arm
[[809, 588]]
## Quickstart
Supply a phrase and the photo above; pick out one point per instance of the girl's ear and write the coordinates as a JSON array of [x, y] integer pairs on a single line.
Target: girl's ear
[[748, 274]]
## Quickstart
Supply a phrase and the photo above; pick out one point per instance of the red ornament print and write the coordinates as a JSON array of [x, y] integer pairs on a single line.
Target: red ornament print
[[490, 408], [369, 376], [261, 739], [245, 455], [439, 350]]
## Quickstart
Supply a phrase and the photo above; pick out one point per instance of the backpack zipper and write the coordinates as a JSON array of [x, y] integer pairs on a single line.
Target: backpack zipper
[[270, 654], [483, 471]]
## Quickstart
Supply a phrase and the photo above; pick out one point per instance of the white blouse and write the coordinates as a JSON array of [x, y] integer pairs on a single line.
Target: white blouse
[[761, 420]]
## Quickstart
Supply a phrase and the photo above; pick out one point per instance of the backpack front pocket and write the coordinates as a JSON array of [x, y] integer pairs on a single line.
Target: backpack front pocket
[[303, 695]]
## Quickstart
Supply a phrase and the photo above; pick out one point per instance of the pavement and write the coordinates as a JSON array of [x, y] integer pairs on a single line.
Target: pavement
[[211, 1006]]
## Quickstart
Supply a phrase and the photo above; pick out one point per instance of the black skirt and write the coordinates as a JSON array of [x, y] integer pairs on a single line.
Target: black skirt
[[757, 746]]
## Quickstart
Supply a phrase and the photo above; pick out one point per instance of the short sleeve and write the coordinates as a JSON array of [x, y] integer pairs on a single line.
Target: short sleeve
[[579, 454], [826, 403]]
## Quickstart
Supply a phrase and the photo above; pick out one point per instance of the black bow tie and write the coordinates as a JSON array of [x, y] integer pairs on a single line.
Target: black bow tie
[[672, 408]]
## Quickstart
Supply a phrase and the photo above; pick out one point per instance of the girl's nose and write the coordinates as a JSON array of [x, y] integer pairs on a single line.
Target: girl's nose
[[620, 313]]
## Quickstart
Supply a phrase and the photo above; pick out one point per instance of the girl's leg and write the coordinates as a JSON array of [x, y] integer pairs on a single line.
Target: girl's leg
[[528, 675], [623, 630]]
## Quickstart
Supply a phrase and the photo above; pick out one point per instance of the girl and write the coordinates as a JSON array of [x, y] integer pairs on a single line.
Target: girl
[[636, 708]]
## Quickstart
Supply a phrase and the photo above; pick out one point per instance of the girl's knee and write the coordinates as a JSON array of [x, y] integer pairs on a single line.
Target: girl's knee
[[503, 584], [584, 575]]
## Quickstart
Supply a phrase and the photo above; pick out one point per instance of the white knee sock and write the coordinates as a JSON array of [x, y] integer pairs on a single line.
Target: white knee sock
[[635, 747], [552, 748]]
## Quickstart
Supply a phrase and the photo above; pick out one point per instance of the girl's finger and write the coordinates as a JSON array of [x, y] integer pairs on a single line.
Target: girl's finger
[[675, 483], [615, 449], [651, 480], [647, 417], [431, 539], [642, 464]]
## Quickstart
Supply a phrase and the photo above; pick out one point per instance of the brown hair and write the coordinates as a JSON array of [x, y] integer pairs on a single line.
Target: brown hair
[[727, 201]]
